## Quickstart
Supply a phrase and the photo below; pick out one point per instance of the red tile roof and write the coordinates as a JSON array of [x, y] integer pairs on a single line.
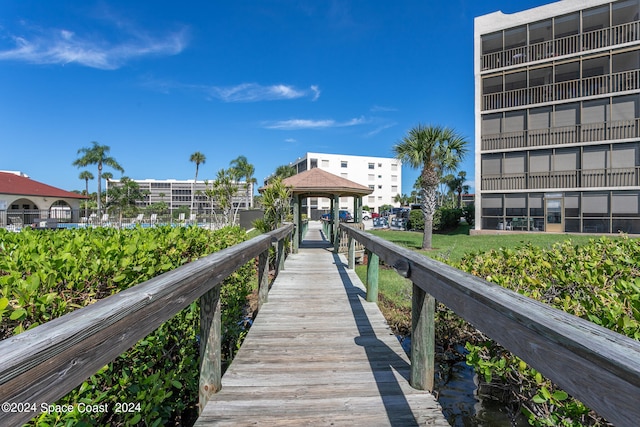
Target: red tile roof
[[11, 183]]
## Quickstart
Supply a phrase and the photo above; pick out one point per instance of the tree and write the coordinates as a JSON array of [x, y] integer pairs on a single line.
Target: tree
[[108, 176], [282, 172], [198, 158], [276, 199], [223, 189], [436, 150], [86, 175], [243, 169], [456, 185], [125, 196], [97, 155]]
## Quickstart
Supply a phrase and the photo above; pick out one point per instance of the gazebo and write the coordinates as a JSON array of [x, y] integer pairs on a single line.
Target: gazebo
[[320, 183]]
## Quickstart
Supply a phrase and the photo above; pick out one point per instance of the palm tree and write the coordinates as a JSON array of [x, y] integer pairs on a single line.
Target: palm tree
[[198, 158], [108, 176], [283, 172], [456, 185], [244, 169], [86, 175], [97, 155], [436, 150]]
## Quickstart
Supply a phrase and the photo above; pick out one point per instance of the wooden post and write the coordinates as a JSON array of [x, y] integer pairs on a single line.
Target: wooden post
[[336, 224], [352, 253], [263, 278], [372, 276], [281, 254], [210, 346], [296, 222], [422, 339]]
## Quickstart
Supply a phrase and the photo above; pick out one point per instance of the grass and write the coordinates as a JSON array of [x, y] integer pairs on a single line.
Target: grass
[[454, 245]]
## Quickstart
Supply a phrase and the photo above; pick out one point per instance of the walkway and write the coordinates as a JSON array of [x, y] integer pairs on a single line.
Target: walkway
[[319, 354]]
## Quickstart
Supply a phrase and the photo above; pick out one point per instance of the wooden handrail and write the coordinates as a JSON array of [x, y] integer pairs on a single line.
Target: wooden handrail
[[45, 363], [597, 366]]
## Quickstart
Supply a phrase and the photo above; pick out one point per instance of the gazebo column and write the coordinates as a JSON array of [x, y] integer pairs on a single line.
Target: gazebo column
[[336, 220], [296, 222], [357, 209]]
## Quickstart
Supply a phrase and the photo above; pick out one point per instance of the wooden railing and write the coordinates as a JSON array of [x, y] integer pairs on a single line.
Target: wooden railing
[[43, 364], [595, 365]]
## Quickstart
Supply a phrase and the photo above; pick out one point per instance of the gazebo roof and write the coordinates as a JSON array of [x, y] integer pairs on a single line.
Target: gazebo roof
[[320, 183]]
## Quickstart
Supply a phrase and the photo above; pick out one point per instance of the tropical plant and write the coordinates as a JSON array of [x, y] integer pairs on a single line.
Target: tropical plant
[[198, 158], [124, 197], [243, 169], [457, 185], [97, 155], [436, 150], [276, 200], [282, 172], [222, 191], [86, 175]]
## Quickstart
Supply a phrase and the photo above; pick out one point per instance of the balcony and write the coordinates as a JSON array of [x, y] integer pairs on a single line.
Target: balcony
[[586, 132], [586, 178], [562, 91], [602, 38]]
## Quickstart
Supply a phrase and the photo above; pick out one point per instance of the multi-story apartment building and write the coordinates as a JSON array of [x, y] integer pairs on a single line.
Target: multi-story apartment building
[[177, 193], [381, 174], [558, 118]]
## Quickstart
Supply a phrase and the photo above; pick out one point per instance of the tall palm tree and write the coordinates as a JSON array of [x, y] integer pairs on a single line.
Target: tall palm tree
[[108, 176], [244, 169], [97, 155], [86, 175], [198, 158], [456, 185], [284, 171], [436, 150]]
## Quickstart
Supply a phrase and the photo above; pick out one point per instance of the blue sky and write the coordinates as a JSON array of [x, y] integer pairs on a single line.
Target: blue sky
[[270, 80]]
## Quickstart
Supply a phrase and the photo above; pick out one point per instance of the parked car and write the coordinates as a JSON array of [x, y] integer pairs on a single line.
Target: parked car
[[369, 215], [344, 216]]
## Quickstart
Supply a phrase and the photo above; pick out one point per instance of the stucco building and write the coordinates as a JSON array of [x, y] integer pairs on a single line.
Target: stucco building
[[557, 92]]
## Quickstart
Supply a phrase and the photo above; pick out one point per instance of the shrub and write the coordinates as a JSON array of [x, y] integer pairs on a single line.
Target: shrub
[[599, 281], [45, 274], [416, 220], [469, 213], [446, 218]]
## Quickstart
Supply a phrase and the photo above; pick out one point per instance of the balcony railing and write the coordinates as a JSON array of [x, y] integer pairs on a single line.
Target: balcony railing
[[602, 38], [585, 178], [586, 132], [561, 91]]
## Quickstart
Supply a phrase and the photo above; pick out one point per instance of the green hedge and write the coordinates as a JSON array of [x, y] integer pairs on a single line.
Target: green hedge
[[45, 274], [599, 281]]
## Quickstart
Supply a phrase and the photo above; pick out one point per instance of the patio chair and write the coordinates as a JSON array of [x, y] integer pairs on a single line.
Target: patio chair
[[181, 217], [154, 219]]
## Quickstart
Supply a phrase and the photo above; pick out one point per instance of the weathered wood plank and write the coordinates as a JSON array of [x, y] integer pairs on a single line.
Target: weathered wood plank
[[319, 354]]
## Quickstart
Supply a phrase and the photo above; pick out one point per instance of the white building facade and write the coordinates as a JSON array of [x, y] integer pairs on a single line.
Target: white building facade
[[557, 118], [381, 174], [177, 193]]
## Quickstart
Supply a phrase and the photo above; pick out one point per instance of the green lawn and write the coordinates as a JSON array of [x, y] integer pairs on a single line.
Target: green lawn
[[454, 245], [395, 291]]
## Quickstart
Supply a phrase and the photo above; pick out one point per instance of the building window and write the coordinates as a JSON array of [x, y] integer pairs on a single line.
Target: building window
[[394, 178], [372, 165], [325, 163], [394, 188], [344, 175], [371, 177], [313, 163], [343, 164], [372, 199], [380, 176], [379, 165], [379, 187], [372, 187], [394, 166]]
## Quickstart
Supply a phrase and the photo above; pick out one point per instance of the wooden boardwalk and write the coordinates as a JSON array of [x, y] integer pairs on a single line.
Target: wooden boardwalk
[[319, 354]]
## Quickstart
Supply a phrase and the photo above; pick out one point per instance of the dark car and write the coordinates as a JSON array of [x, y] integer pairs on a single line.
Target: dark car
[[344, 216]]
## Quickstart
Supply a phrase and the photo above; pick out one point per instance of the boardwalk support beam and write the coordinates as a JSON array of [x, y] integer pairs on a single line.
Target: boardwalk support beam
[[263, 278], [210, 347], [372, 276], [422, 339]]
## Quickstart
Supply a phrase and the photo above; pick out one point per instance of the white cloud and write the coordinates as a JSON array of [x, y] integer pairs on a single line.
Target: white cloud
[[295, 124], [62, 46], [379, 108], [380, 129], [253, 92], [291, 140]]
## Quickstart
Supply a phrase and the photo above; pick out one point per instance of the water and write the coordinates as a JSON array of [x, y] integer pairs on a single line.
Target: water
[[457, 387]]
